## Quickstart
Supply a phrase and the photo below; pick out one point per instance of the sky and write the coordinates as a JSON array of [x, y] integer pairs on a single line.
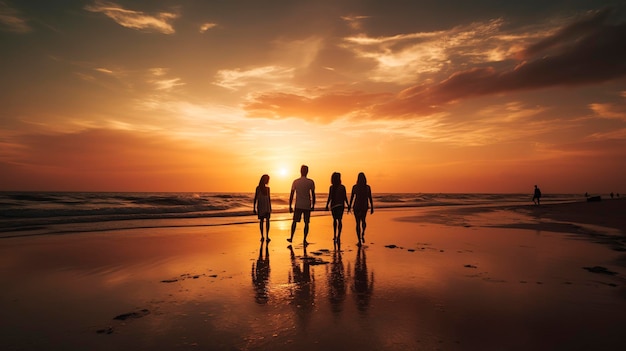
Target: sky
[[429, 96]]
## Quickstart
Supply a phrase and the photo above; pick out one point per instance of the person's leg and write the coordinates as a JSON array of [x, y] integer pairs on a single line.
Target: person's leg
[[261, 227], [267, 228], [358, 228], [335, 228], [297, 215], [339, 227], [363, 225], [307, 219], [293, 230]]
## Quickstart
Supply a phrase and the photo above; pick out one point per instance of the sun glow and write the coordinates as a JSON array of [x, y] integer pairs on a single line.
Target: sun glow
[[282, 172]]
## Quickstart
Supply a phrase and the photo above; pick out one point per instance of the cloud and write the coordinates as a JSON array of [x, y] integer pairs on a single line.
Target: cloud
[[609, 111], [161, 22], [266, 75], [594, 53], [323, 108], [11, 20], [567, 34], [206, 26], [406, 58], [167, 84], [354, 21]]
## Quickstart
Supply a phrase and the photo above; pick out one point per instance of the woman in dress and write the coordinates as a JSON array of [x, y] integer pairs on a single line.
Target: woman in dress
[[262, 205], [337, 199], [362, 197]]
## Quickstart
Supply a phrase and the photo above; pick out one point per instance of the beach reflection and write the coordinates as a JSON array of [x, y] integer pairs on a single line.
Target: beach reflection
[[261, 275], [302, 286], [336, 280], [363, 282]]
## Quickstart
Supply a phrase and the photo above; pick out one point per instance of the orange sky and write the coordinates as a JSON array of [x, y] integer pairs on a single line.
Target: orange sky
[[425, 96]]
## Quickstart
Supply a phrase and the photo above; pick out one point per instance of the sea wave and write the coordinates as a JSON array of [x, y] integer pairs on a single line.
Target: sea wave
[[23, 212]]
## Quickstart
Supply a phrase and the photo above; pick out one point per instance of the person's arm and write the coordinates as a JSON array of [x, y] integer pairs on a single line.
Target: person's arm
[[269, 199], [345, 196], [291, 199], [369, 191], [313, 197], [330, 191], [351, 199], [256, 195]]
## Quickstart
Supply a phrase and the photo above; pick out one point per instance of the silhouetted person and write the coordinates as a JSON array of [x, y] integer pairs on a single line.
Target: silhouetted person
[[304, 189], [261, 275], [262, 205], [363, 283], [337, 199], [337, 280], [612, 195], [363, 195], [537, 196]]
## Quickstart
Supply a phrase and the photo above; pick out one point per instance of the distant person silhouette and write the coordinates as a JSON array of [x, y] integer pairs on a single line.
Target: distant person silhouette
[[363, 194], [262, 205], [612, 194], [304, 189], [537, 196], [337, 199]]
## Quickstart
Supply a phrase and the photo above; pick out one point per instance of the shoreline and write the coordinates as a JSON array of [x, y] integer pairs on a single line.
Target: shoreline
[[602, 215]]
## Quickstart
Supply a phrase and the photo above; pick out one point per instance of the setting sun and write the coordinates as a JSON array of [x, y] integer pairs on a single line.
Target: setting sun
[[282, 172]]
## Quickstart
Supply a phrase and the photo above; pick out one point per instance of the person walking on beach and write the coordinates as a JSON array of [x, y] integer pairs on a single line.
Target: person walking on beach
[[363, 194], [304, 189], [337, 197], [262, 205], [537, 196]]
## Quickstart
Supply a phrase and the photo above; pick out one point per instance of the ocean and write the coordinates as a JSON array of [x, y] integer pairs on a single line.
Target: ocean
[[44, 213]]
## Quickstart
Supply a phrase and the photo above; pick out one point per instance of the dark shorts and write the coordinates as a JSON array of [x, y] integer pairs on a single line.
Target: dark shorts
[[360, 213], [337, 212], [298, 212], [264, 215]]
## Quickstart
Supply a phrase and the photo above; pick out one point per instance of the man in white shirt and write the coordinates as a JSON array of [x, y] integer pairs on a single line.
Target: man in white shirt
[[304, 188]]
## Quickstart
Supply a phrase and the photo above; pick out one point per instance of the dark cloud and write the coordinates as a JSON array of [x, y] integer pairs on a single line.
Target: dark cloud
[[586, 52]]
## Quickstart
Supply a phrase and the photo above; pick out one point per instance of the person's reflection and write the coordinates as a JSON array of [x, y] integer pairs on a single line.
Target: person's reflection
[[363, 284], [303, 286], [337, 281], [261, 275]]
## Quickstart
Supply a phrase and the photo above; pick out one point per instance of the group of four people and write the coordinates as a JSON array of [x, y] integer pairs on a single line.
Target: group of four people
[[304, 190]]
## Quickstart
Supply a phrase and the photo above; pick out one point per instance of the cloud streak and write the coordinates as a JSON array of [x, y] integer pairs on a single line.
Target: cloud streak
[[11, 20], [160, 23], [323, 108]]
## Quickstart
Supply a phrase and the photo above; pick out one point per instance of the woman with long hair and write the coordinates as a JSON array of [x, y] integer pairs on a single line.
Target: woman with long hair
[[337, 199], [363, 195], [262, 205]]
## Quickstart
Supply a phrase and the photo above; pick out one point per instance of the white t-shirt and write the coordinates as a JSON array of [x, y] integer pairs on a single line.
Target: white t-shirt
[[303, 187]]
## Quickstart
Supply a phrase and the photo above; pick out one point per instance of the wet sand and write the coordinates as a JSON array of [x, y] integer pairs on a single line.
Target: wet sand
[[513, 278]]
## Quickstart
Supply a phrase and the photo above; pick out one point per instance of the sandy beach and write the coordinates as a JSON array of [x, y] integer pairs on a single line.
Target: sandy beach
[[548, 277]]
